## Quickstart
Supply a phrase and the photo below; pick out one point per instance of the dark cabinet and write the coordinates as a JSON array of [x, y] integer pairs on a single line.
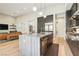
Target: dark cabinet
[[50, 40], [69, 15], [74, 8], [77, 20], [73, 43], [74, 46], [68, 21], [48, 19], [41, 23], [45, 43]]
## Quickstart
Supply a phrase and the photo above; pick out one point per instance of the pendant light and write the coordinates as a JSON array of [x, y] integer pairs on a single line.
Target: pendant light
[[40, 13], [34, 7], [44, 10]]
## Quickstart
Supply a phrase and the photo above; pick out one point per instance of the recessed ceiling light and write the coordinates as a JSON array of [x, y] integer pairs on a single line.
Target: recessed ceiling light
[[34, 8], [40, 13]]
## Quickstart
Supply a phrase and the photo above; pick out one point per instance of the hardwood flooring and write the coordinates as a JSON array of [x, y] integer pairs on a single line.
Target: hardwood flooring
[[64, 49], [60, 48], [9, 48]]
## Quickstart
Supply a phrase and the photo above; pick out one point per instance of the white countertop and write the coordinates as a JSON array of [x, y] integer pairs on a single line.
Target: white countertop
[[38, 34]]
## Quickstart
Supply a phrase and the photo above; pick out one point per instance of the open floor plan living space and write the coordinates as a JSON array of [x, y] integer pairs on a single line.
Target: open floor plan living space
[[39, 29]]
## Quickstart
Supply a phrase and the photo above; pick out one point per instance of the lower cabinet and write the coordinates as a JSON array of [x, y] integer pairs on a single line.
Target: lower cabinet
[[74, 46], [44, 46], [50, 40], [46, 42]]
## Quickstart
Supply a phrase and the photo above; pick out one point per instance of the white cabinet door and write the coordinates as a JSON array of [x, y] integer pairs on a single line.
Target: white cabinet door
[[25, 45], [35, 46], [29, 45], [22, 45]]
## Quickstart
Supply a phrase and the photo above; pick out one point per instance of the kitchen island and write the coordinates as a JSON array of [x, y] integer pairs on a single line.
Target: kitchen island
[[35, 44]]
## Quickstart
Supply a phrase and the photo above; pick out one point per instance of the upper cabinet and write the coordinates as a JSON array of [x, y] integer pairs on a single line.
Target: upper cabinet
[[72, 17], [45, 24], [74, 8], [68, 15]]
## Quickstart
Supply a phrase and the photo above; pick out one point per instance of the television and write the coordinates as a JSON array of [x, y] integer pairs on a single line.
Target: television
[[3, 26]]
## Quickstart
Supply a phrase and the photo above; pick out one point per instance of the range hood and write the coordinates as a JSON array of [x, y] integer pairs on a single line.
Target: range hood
[[76, 13]]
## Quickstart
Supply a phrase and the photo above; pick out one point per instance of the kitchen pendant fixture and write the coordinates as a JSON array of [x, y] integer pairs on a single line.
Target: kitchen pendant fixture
[[40, 13], [44, 11], [34, 8]]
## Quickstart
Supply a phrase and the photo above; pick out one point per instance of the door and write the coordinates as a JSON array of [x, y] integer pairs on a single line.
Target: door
[[60, 25]]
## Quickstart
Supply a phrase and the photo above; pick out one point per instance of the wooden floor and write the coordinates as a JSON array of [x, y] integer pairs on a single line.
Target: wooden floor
[[9, 48], [12, 48], [64, 49]]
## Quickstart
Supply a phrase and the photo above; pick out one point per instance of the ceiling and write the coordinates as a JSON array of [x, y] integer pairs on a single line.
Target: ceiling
[[17, 9]]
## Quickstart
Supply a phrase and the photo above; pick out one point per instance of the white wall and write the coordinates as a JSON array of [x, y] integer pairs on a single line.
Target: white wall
[[4, 19], [23, 21]]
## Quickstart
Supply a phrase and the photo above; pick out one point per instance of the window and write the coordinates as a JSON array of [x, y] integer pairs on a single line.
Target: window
[[48, 26]]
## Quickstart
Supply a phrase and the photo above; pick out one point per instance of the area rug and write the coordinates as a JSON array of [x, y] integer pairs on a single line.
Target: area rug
[[53, 50]]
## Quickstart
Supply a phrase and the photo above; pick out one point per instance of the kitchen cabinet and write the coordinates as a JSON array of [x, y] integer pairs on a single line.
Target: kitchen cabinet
[[41, 23], [46, 42], [77, 20], [44, 45], [50, 40], [73, 8], [68, 21], [73, 43], [69, 14], [72, 38]]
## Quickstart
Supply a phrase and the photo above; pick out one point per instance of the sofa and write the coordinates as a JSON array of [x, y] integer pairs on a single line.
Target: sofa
[[3, 36], [7, 36]]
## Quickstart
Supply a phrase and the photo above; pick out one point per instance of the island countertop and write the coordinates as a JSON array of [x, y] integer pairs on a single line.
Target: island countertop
[[38, 34]]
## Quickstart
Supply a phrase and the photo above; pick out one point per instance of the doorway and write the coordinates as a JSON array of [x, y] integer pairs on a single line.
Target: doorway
[[60, 25]]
